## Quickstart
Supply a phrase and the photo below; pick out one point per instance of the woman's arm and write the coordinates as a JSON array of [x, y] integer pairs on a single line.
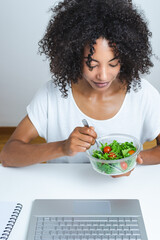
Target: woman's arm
[[152, 156], [19, 152]]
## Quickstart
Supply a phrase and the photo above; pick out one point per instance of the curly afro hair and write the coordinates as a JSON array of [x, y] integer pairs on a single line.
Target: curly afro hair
[[75, 24]]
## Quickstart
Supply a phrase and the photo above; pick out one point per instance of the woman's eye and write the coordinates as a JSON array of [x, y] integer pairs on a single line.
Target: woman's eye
[[93, 66], [114, 65]]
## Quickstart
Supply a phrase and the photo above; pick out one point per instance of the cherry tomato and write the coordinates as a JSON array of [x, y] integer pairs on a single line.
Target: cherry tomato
[[124, 165], [107, 149], [112, 155], [131, 152]]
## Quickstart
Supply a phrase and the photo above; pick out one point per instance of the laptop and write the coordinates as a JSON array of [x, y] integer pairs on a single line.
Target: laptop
[[85, 219]]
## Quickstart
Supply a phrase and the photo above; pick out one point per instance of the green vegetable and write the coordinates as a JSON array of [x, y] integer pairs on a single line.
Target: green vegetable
[[118, 151]]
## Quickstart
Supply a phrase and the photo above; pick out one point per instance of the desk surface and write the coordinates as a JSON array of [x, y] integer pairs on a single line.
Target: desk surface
[[80, 181]]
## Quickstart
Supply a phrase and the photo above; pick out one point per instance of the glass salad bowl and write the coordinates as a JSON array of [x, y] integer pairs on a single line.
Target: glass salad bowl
[[114, 154]]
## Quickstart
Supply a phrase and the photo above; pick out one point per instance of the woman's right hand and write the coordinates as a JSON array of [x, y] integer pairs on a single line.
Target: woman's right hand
[[79, 140]]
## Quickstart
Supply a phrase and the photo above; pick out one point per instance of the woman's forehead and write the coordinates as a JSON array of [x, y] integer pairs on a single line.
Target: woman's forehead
[[101, 48]]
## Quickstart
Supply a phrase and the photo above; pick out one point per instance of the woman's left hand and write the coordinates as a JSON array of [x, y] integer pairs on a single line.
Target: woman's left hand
[[139, 161]]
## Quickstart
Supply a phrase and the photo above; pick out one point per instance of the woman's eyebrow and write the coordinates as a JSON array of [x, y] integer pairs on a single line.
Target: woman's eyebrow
[[113, 59], [92, 59]]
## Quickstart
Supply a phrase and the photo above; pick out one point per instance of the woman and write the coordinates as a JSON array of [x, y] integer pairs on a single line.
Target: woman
[[98, 50]]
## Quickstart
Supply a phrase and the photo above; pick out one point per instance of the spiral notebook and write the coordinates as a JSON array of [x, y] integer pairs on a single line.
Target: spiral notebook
[[9, 212]]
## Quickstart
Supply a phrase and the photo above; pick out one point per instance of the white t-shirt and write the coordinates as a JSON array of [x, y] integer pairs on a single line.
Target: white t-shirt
[[55, 117]]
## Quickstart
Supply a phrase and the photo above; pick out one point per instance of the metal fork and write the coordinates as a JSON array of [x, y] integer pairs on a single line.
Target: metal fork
[[85, 123]]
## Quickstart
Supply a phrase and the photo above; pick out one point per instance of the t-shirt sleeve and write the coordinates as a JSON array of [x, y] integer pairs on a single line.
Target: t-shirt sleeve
[[37, 111], [152, 114]]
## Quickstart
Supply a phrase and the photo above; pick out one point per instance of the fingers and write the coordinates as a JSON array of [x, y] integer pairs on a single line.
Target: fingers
[[88, 131], [123, 175], [76, 147], [80, 140], [80, 144], [86, 134], [139, 159]]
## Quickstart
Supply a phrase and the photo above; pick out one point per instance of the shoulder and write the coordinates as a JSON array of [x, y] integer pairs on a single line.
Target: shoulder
[[149, 92], [145, 96], [145, 89], [53, 90], [49, 86], [146, 85], [48, 89]]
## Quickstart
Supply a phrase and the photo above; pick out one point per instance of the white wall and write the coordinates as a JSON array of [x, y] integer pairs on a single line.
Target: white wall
[[151, 11], [22, 70]]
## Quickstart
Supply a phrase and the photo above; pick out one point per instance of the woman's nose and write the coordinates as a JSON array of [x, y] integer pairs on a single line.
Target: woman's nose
[[103, 74]]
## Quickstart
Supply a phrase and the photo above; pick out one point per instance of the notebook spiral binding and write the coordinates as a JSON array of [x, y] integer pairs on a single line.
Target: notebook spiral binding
[[11, 221]]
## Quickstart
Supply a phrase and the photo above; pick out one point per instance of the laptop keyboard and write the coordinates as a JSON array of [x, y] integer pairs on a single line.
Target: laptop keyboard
[[87, 228]]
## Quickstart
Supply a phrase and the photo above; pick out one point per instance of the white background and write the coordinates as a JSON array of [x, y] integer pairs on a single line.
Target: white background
[[22, 70]]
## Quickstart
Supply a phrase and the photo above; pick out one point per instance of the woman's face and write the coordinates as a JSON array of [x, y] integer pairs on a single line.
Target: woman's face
[[104, 66]]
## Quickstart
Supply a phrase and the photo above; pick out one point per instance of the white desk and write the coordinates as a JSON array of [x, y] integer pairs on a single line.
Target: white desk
[[78, 181]]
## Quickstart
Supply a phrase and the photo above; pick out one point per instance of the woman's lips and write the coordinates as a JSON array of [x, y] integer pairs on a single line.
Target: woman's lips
[[101, 84]]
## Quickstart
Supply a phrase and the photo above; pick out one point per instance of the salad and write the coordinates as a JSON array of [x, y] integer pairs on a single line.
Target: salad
[[113, 151]]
